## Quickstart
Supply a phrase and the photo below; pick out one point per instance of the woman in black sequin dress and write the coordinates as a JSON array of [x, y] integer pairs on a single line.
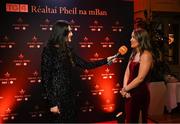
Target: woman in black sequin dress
[[56, 64]]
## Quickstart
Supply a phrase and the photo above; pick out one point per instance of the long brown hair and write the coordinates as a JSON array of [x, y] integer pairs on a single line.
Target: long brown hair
[[142, 36]]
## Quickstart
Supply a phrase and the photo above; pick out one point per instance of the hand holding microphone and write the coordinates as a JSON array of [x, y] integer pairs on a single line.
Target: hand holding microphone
[[55, 110], [121, 51]]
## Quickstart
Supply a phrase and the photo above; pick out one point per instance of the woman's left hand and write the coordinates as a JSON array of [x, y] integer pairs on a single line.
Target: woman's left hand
[[125, 94]]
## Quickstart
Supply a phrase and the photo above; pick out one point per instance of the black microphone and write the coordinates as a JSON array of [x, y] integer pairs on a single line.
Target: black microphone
[[121, 51]]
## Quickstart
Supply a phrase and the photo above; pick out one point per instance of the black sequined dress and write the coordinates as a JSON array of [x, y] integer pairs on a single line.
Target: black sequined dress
[[56, 71]]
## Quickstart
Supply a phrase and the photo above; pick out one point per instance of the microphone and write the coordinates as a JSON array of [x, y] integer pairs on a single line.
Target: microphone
[[121, 51]]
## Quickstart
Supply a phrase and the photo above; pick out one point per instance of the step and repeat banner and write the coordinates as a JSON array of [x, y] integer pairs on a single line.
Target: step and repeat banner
[[99, 28]]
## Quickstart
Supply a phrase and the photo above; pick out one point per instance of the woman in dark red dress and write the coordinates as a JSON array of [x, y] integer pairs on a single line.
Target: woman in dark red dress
[[137, 75]]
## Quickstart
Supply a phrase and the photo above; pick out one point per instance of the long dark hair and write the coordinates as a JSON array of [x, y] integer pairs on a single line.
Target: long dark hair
[[142, 36], [58, 38], [59, 33]]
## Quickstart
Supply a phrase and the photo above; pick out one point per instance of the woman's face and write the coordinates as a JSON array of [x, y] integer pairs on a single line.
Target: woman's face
[[134, 41], [70, 34]]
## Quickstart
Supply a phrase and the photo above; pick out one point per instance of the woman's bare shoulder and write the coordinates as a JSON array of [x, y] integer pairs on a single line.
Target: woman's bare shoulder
[[146, 55]]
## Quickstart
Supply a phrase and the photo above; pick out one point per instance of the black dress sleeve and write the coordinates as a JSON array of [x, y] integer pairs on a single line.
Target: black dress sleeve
[[87, 64], [46, 74]]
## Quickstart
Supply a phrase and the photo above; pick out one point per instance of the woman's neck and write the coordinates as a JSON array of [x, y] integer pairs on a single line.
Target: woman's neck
[[137, 50], [137, 57]]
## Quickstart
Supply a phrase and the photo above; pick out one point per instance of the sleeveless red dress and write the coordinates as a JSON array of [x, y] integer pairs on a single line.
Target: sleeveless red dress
[[140, 97]]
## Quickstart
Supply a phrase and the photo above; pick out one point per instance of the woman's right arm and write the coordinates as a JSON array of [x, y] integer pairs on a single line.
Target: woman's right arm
[[125, 81], [126, 76]]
